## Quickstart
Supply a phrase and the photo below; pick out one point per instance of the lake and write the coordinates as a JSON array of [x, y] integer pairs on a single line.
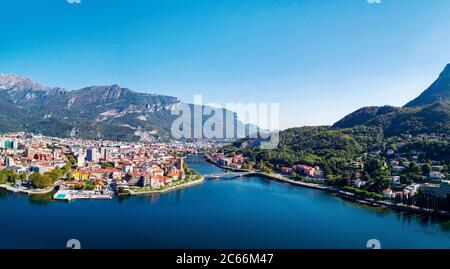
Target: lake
[[225, 213]]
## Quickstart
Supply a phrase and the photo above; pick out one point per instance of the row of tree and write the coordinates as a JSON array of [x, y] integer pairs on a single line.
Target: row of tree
[[421, 200], [11, 176], [38, 180]]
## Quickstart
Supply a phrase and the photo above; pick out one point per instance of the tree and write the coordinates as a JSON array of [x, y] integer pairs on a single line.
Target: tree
[[72, 159], [36, 180], [40, 181], [3, 178], [414, 168], [327, 172], [426, 169], [69, 175], [23, 177], [265, 169], [378, 174], [66, 168], [11, 176], [46, 181], [55, 174], [105, 165], [247, 166]]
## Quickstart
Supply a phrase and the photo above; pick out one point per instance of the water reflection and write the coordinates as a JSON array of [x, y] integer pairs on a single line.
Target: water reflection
[[2, 193], [41, 199], [230, 212]]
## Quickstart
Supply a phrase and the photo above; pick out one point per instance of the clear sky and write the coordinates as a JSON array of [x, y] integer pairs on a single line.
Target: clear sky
[[320, 59]]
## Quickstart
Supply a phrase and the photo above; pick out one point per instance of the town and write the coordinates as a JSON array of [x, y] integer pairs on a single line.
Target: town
[[90, 169]]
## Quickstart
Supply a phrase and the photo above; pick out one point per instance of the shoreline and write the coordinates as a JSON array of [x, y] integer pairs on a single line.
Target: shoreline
[[347, 196], [344, 195], [132, 193], [26, 191], [173, 188], [352, 198]]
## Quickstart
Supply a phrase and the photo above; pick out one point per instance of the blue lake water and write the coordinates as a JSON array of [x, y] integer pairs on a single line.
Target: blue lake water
[[224, 213]]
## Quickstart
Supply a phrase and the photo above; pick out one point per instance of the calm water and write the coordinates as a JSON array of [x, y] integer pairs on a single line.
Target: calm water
[[225, 213]]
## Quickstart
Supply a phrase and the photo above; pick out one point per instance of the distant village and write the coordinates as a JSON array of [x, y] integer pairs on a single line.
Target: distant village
[[92, 169]]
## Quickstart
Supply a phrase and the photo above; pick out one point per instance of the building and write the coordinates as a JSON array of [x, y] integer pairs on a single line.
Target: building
[[286, 170], [305, 170], [80, 159], [41, 169], [358, 183], [180, 163], [128, 168], [395, 180], [238, 159], [44, 156], [441, 191], [436, 176], [224, 161], [412, 189], [397, 169], [9, 162], [9, 144], [388, 193], [92, 155]]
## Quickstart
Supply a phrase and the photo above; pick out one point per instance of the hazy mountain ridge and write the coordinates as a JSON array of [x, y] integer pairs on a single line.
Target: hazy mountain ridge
[[97, 112]]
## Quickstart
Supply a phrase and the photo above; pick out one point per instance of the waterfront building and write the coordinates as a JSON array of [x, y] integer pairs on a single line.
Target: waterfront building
[[441, 190], [286, 170], [412, 189], [224, 161]]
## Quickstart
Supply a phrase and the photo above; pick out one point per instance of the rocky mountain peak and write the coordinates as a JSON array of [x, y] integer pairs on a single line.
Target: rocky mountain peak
[[12, 81], [438, 91]]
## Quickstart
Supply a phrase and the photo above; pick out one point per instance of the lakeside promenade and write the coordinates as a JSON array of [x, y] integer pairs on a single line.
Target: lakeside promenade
[[185, 185], [26, 191]]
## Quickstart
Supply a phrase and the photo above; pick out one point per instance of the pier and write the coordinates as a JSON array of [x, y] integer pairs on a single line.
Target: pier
[[70, 195]]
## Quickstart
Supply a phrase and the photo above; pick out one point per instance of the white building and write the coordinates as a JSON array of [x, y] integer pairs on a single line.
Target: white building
[[9, 162], [128, 168], [412, 189], [398, 169], [395, 180], [436, 176], [80, 159]]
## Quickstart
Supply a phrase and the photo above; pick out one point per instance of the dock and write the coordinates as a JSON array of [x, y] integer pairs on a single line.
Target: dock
[[70, 195]]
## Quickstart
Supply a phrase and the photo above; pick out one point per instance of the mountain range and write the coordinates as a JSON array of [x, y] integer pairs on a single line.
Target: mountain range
[[96, 112], [428, 113], [116, 113]]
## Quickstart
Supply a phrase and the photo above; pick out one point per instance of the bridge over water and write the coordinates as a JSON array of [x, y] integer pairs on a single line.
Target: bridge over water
[[231, 174]]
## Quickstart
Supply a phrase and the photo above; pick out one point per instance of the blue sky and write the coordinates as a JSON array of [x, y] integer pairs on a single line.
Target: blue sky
[[320, 59]]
